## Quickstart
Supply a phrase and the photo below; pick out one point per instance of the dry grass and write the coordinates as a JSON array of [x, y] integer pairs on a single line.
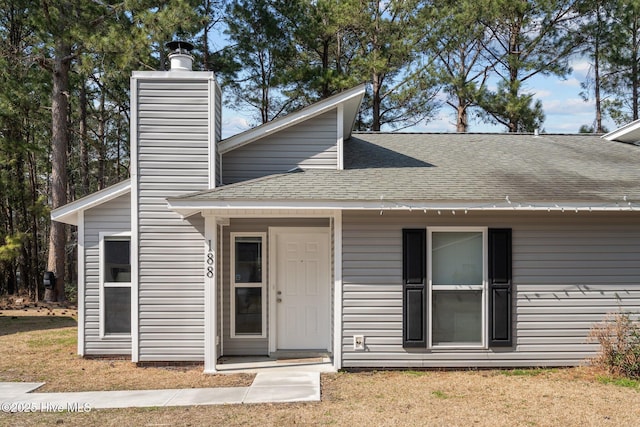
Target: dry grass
[[538, 397], [40, 345]]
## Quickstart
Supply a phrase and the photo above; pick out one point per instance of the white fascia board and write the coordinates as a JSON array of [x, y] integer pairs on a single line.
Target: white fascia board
[[627, 133], [68, 213], [190, 207], [294, 118], [173, 75]]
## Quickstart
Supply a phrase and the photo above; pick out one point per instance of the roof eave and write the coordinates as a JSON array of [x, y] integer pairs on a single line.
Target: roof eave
[[629, 133], [68, 213]]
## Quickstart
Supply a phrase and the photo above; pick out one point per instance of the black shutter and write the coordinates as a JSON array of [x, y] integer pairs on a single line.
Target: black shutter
[[414, 289], [500, 311]]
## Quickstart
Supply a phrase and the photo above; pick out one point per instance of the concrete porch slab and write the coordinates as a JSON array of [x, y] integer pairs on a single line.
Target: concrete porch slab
[[253, 365], [284, 387]]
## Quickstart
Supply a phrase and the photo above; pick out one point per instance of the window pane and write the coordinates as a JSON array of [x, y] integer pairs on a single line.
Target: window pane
[[248, 268], [457, 317], [117, 265], [457, 258], [117, 310], [248, 310]]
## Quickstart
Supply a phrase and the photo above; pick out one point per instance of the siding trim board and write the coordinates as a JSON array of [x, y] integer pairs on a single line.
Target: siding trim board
[[210, 273], [338, 292], [135, 217], [81, 285]]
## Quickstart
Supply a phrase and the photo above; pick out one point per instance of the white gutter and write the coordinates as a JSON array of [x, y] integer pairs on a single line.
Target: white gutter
[[187, 208]]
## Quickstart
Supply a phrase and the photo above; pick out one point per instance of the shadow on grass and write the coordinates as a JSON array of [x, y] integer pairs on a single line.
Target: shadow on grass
[[14, 324]]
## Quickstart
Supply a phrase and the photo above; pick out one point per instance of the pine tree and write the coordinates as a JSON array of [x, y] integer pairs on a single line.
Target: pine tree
[[622, 59], [401, 89], [529, 38], [458, 40], [256, 62]]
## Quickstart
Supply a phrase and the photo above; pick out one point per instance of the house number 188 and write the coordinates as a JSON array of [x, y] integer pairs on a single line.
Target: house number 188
[[210, 261]]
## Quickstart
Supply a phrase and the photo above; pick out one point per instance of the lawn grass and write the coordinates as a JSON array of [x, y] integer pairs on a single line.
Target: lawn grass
[[620, 382], [520, 397], [42, 347]]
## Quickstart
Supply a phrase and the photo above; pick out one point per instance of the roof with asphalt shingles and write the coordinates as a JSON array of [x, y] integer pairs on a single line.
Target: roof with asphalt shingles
[[456, 168]]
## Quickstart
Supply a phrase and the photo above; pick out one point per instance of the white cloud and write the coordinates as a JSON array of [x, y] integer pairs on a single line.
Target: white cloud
[[542, 93], [581, 67], [567, 107], [234, 125], [572, 82]]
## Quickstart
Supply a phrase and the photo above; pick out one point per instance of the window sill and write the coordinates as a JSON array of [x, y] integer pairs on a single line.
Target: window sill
[[113, 337], [446, 348]]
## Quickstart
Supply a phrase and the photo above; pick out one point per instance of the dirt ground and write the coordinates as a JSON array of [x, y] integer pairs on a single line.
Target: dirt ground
[[40, 346]]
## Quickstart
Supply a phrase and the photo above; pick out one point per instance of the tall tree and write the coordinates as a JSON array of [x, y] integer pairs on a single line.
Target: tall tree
[[57, 18], [622, 56], [261, 49], [529, 38], [212, 15], [325, 41], [594, 36], [455, 36], [22, 125], [69, 30], [402, 91]]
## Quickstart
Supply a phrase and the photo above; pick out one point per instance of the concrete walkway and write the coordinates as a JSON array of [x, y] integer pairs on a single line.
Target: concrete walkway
[[267, 387]]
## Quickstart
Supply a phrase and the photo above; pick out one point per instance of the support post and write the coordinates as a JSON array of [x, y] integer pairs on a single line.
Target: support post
[[210, 262]]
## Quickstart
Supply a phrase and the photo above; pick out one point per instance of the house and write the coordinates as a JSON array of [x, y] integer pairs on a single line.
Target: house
[[382, 249]]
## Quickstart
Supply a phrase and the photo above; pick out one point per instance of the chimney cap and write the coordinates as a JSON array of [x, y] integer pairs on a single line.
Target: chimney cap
[[179, 45]]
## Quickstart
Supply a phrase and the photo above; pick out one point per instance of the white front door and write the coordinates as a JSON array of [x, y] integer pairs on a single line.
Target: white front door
[[302, 288]]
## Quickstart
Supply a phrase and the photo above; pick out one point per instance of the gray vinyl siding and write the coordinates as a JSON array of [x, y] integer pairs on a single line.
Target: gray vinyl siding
[[172, 149], [309, 145], [113, 216], [251, 346], [569, 270]]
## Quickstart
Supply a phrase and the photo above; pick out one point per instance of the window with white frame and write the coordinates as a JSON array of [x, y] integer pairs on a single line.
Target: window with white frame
[[457, 280], [115, 284], [248, 285]]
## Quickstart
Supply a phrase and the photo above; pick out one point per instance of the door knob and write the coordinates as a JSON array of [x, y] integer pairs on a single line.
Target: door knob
[[279, 300]]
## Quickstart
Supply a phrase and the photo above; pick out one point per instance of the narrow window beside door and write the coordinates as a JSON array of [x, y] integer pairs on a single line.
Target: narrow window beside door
[[248, 286]]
